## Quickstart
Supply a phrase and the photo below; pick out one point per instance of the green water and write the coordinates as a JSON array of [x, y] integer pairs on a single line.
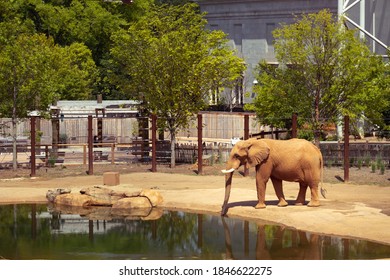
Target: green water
[[35, 232]]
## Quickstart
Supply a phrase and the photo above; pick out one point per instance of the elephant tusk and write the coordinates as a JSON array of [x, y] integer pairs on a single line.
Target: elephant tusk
[[228, 171]]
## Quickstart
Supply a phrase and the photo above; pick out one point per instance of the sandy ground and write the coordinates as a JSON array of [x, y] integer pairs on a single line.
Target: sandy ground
[[350, 210]]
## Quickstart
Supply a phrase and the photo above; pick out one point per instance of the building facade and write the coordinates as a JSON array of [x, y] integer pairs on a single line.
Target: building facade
[[249, 25]]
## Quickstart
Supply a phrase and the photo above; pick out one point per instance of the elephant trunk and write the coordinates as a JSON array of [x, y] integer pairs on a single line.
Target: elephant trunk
[[228, 187]]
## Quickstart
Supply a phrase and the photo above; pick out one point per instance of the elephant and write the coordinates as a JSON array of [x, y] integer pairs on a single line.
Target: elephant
[[294, 160]]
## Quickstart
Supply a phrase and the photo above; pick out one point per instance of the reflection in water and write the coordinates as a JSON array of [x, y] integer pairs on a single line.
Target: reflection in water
[[34, 232], [284, 243]]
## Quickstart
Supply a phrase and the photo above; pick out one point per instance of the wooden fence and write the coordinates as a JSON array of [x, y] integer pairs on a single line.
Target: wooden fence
[[360, 153], [213, 150], [363, 153], [74, 131], [217, 125]]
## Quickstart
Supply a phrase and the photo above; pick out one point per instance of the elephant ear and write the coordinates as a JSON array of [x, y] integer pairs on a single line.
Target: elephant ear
[[258, 151]]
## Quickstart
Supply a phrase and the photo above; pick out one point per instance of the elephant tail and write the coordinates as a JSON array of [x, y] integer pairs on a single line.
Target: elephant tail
[[322, 189]]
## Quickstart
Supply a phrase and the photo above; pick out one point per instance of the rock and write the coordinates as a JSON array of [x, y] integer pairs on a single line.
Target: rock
[[132, 203], [123, 194], [154, 196], [111, 178], [100, 196], [52, 194], [125, 204], [80, 200]]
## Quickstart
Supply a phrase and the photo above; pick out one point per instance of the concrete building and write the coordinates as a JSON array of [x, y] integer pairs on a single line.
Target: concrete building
[[372, 17], [249, 25]]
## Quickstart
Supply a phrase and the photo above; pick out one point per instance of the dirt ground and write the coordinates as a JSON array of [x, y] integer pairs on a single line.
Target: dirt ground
[[359, 208]]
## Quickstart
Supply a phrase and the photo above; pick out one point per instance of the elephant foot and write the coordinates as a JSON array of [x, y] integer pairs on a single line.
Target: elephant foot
[[313, 203], [299, 202], [282, 203], [260, 205]]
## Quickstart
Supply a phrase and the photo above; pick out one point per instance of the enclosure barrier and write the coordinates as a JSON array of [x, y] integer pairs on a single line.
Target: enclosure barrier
[[153, 151]]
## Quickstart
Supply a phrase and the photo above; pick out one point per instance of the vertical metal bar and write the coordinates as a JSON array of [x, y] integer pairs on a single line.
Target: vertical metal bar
[[55, 124], [362, 17], [154, 143], [200, 145], [90, 146], [294, 133], [32, 154], [246, 126], [346, 148], [246, 136], [112, 153], [46, 155], [99, 131], [84, 154]]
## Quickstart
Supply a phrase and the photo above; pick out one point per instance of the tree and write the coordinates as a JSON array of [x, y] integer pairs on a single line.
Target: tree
[[170, 62], [34, 72], [325, 72], [172, 2], [90, 22]]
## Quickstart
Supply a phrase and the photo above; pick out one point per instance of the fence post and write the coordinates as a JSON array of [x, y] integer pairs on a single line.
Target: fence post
[[55, 124], [346, 148], [99, 125], [294, 133], [85, 154], [90, 146], [200, 140], [32, 152], [154, 143], [246, 136], [112, 153], [46, 155]]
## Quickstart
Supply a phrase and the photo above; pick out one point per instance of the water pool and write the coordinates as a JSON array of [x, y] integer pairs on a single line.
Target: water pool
[[37, 232]]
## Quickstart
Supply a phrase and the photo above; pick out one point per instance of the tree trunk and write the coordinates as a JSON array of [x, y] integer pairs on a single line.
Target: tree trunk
[[173, 154], [317, 130], [14, 148], [14, 132]]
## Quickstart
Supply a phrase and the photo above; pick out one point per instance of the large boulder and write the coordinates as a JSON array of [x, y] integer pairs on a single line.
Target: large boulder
[[73, 199], [154, 196], [100, 196], [52, 194], [132, 203]]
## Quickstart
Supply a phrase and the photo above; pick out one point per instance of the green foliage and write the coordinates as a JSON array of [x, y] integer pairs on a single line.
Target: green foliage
[[325, 71], [87, 22], [34, 72], [172, 2], [170, 62], [373, 167]]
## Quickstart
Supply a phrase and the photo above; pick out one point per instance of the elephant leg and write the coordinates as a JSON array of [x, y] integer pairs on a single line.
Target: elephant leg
[[278, 186], [315, 201], [261, 184], [302, 194]]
